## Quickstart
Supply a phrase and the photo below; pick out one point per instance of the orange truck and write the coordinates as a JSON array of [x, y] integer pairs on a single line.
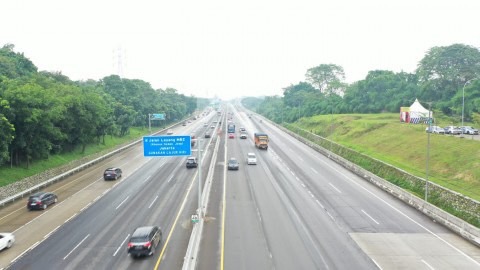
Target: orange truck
[[261, 140]]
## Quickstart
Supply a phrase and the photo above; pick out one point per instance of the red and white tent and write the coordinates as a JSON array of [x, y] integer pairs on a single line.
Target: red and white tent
[[415, 114]]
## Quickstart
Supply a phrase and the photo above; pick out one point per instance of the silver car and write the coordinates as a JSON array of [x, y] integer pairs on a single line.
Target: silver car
[[469, 130], [233, 164], [453, 130]]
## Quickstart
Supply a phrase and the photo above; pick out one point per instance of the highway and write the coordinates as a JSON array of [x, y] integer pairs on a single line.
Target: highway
[[90, 225], [295, 209]]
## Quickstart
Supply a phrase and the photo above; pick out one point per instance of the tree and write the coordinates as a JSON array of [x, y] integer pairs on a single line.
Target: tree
[[296, 95], [381, 91], [253, 103], [86, 115], [272, 107], [14, 65], [328, 78], [36, 113], [7, 131], [304, 95], [444, 70]]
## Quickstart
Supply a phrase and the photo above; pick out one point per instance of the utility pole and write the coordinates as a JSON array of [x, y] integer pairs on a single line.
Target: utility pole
[[428, 147]]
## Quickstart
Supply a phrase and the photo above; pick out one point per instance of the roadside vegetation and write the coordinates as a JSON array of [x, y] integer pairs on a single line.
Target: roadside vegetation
[[46, 118], [9, 175], [454, 162]]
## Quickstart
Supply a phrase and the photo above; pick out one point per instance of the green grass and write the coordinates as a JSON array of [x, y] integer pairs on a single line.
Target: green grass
[[453, 162], [9, 175]]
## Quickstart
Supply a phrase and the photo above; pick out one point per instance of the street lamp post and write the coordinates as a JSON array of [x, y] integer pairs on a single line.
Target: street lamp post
[[428, 148], [200, 210], [331, 131]]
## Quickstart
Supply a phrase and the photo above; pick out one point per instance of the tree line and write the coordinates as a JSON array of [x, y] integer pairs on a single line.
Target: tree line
[[445, 77], [44, 113]]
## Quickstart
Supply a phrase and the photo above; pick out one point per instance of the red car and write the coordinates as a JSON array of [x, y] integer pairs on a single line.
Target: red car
[[231, 135]]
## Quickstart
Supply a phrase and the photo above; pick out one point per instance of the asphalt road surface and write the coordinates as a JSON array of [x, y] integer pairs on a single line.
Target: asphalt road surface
[[296, 209]]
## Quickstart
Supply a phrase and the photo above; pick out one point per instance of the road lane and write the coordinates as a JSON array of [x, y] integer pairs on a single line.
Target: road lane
[[348, 197], [83, 200]]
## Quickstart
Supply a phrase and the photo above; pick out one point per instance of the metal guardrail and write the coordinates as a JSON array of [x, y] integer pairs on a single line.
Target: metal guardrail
[[191, 256], [64, 175]]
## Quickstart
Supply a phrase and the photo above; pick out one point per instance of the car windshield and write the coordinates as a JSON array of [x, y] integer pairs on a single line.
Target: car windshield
[[139, 239]]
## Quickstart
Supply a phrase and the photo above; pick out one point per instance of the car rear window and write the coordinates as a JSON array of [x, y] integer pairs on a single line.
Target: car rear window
[[139, 239]]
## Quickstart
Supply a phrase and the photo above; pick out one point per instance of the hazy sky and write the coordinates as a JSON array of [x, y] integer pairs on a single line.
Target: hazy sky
[[232, 48]]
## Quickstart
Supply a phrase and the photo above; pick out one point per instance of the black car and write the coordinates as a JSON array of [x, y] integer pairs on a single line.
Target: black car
[[41, 200], [144, 240], [233, 164], [112, 174], [192, 162]]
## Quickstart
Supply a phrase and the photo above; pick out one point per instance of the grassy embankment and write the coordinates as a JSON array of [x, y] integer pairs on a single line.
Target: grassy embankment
[[453, 162], [9, 175]]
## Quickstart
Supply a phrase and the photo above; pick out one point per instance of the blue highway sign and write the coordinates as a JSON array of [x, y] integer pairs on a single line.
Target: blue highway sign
[[158, 116], [167, 146]]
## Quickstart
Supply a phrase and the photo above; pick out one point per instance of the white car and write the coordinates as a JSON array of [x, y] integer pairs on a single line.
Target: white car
[[6, 240], [435, 129], [251, 159]]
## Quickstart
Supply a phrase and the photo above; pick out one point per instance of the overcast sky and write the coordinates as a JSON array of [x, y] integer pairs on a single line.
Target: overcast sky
[[232, 48]]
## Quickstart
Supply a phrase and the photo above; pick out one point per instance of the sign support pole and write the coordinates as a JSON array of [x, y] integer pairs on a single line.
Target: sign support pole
[[200, 212], [149, 123]]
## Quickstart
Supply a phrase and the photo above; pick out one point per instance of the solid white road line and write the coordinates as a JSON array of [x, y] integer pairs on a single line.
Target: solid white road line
[[370, 217], [121, 245], [334, 187], [122, 202], [152, 202], [76, 246]]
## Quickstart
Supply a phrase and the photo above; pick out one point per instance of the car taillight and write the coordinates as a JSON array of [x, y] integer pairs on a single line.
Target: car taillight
[[147, 245], [130, 245], [39, 203]]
